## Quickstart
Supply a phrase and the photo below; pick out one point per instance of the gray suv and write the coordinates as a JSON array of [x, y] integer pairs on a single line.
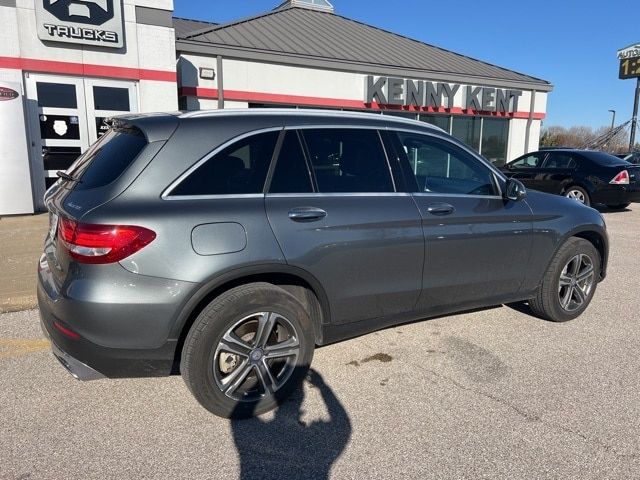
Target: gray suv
[[226, 245]]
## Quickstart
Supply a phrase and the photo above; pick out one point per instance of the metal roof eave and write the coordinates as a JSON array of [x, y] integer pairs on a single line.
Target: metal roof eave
[[292, 59]]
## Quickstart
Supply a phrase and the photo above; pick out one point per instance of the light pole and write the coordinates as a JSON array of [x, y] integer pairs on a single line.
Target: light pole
[[613, 119]]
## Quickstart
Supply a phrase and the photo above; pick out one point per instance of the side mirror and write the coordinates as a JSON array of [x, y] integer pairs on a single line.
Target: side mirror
[[515, 190]]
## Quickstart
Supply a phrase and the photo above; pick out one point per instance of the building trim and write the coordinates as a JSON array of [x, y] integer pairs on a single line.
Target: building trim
[[295, 60], [260, 97], [154, 16], [86, 69]]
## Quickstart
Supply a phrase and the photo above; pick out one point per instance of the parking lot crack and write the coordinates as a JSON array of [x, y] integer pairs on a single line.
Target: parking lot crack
[[531, 417]]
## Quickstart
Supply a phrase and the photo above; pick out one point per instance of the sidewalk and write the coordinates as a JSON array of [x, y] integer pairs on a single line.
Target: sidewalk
[[21, 240]]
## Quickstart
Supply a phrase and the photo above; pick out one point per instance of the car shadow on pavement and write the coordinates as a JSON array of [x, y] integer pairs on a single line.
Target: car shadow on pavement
[[286, 446]]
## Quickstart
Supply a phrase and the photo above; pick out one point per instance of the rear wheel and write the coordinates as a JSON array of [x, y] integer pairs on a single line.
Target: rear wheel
[[247, 351], [618, 206], [579, 194], [569, 283]]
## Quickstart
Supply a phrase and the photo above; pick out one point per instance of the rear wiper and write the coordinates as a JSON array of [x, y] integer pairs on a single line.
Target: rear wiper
[[67, 177]]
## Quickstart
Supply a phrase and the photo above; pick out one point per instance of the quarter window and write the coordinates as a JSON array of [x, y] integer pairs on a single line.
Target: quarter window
[[348, 160], [238, 169], [442, 167]]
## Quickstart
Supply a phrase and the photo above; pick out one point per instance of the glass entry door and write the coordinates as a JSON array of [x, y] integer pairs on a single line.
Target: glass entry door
[[66, 115]]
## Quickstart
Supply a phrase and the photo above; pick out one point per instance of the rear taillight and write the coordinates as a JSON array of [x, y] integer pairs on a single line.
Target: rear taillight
[[89, 243], [621, 179]]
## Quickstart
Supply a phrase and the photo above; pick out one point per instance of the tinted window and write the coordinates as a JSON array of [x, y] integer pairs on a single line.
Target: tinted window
[[602, 158], [110, 98], [495, 135], [57, 95], [560, 160], [348, 160], [238, 169], [442, 167], [291, 174], [467, 130], [106, 159], [528, 161]]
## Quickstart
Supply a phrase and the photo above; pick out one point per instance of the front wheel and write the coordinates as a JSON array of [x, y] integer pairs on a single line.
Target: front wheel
[[579, 194], [569, 283], [247, 351]]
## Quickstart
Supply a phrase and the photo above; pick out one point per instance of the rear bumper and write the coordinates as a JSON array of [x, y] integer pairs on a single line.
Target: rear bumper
[[617, 194], [95, 333]]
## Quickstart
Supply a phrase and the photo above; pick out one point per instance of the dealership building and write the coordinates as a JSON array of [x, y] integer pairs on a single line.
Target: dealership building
[[66, 65]]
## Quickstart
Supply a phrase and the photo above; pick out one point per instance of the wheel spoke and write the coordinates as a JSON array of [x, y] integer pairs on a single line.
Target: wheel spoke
[[575, 265], [566, 299], [287, 348], [265, 377], [585, 274], [266, 321], [232, 344], [580, 295], [236, 378], [565, 280]]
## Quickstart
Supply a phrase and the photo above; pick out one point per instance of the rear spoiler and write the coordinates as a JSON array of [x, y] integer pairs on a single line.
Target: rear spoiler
[[155, 127]]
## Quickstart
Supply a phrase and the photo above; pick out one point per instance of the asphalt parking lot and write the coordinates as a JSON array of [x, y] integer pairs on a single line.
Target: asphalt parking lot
[[490, 394]]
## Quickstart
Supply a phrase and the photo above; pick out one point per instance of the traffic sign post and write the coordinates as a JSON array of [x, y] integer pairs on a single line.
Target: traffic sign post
[[630, 68]]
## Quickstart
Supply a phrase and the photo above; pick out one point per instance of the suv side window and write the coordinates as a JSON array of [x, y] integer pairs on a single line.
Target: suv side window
[[528, 161], [560, 161], [291, 174], [442, 167], [238, 169], [348, 160]]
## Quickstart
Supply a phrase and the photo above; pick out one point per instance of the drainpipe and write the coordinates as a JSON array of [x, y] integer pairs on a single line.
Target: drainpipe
[[527, 133], [220, 82]]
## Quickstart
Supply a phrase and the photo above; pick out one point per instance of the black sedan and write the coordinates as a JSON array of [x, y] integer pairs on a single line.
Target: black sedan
[[584, 175]]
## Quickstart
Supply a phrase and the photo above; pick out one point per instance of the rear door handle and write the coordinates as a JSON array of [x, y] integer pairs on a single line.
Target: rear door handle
[[440, 209], [306, 214]]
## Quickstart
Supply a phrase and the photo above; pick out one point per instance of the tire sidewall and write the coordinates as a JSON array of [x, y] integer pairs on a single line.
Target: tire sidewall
[[213, 323]]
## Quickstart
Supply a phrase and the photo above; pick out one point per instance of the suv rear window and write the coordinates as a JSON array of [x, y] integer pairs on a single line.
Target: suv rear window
[[108, 158]]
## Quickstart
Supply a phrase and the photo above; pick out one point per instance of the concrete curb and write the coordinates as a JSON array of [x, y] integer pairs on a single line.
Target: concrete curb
[[18, 304]]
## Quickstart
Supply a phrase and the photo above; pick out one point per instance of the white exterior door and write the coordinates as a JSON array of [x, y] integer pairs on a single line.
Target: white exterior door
[[66, 115]]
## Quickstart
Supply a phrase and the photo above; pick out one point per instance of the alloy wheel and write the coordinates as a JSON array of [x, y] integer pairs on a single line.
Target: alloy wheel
[[576, 195], [576, 282], [256, 356]]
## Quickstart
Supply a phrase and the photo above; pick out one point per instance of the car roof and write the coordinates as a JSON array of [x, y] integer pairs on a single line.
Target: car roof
[[158, 124]]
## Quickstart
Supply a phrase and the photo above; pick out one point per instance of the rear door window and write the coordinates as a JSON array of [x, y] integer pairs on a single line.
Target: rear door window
[[108, 158], [240, 168], [348, 160], [560, 161], [291, 174]]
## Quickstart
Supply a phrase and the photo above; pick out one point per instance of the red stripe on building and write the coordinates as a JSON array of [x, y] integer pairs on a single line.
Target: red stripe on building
[[259, 97], [86, 69]]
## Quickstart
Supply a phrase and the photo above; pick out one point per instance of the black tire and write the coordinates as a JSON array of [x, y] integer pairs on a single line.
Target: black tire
[[575, 191], [204, 357], [547, 303], [619, 206]]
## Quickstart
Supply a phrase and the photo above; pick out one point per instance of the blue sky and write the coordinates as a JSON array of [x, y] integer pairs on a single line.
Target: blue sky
[[570, 43]]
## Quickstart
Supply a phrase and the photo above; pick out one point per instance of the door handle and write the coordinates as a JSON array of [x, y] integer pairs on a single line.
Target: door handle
[[440, 209], [306, 214]]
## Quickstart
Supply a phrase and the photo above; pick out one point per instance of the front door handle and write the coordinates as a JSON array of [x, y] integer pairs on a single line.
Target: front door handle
[[306, 214], [440, 209]]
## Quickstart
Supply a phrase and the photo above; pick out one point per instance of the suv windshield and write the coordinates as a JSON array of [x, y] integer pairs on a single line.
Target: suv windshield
[[108, 158]]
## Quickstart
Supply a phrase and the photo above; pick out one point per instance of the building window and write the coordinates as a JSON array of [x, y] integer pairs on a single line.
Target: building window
[[495, 135], [442, 121], [467, 130]]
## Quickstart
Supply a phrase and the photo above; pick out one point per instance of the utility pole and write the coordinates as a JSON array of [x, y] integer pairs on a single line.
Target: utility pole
[[613, 119], [634, 118]]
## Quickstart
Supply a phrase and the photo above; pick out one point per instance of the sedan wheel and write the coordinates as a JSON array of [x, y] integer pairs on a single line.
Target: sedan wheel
[[579, 194]]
